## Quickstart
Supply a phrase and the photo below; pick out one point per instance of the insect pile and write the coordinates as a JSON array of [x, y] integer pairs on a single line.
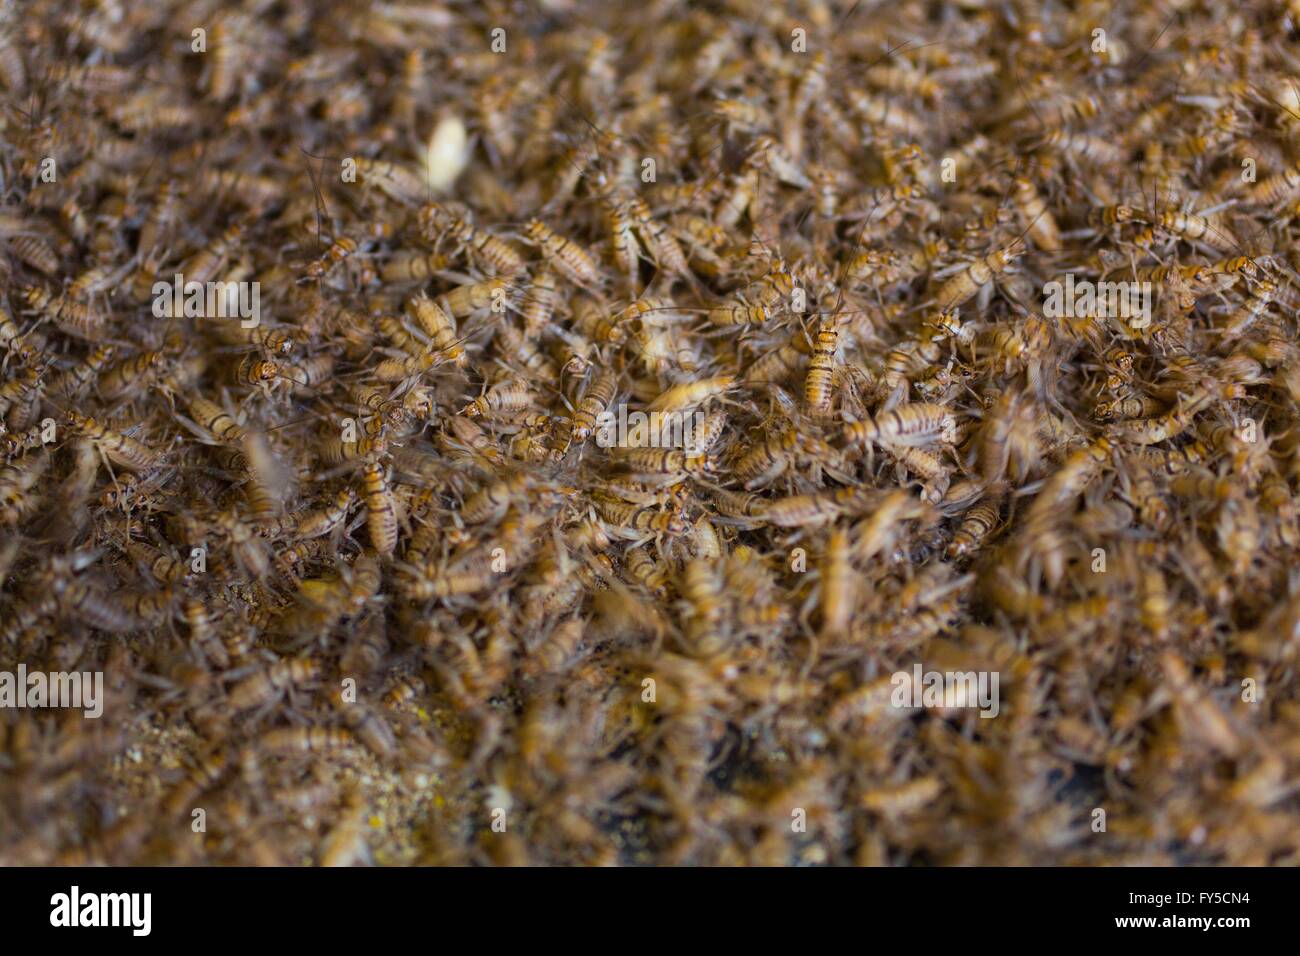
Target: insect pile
[[329, 333]]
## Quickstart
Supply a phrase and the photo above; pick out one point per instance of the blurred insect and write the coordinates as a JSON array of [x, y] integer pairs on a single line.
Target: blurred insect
[[381, 513], [262, 687]]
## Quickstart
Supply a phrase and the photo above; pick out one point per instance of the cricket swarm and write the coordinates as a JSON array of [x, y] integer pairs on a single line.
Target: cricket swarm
[[577, 432]]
